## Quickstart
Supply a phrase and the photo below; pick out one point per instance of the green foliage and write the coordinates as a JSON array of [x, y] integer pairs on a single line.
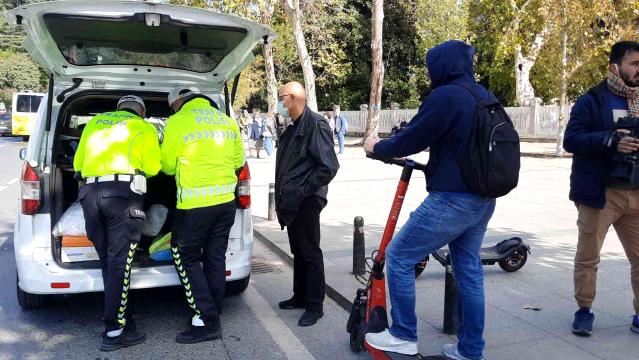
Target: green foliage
[[17, 71], [338, 34]]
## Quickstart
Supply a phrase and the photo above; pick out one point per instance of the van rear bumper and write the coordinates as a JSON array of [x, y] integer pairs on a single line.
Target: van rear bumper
[[37, 277]]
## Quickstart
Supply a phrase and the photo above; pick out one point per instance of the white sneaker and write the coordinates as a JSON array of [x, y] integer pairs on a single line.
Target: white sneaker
[[451, 352], [385, 341]]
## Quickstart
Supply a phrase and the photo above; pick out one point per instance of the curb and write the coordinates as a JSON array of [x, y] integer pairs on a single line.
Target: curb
[[333, 294]]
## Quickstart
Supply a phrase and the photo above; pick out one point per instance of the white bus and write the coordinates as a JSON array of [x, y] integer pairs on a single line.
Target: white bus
[[23, 112]]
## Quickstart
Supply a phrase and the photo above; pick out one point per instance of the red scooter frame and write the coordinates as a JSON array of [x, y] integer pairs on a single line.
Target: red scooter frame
[[368, 313]]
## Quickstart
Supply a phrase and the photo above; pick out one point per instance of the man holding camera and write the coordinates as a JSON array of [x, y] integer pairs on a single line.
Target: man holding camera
[[601, 183]]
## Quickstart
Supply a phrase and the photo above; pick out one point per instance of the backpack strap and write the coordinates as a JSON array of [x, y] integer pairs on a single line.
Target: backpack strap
[[476, 95]]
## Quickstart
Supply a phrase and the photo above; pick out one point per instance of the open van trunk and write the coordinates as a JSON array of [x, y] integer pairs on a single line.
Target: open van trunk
[[77, 111]]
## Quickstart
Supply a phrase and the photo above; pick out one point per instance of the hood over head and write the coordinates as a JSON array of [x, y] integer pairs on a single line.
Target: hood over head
[[450, 61]]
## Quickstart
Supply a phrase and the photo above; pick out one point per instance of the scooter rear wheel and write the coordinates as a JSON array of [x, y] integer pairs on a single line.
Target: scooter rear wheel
[[515, 261]]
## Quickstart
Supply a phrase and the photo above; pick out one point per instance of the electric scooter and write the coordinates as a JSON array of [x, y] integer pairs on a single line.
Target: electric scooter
[[368, 313], [511, 255]]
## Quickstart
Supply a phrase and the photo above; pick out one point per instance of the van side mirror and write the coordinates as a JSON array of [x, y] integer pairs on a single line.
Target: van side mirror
[[22, 154]]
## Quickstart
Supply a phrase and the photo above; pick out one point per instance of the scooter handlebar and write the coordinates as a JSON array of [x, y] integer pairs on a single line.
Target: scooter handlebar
[[403, 162]]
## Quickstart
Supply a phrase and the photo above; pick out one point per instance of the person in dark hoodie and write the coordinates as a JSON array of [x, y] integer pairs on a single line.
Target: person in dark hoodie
[[450, 215], [601, 199]]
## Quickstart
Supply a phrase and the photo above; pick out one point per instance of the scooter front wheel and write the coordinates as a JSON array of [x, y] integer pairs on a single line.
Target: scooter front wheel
[[515, 261]]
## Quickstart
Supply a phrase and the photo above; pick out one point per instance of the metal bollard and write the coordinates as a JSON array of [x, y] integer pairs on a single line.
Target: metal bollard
[[359, 247], [271, 202], [451, 318]]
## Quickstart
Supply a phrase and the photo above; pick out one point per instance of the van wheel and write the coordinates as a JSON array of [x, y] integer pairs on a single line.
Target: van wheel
[[238, 286], [30, 301]]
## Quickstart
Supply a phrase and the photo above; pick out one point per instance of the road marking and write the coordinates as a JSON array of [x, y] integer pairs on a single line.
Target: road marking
[[2, 188], [13, 181], [287, 341]]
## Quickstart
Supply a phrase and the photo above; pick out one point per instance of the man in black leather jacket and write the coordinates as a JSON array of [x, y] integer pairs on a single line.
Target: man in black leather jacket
[[305, 165]]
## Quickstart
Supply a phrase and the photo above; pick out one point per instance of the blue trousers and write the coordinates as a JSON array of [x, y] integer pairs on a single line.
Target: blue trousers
[[458, 220], [340, 141], [268, 145]]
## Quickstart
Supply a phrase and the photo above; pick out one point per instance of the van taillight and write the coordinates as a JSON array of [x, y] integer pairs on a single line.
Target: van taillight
[[30, 190], [244, 188]]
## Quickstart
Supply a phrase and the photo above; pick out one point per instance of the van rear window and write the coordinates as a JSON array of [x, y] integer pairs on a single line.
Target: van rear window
[[86, 41]]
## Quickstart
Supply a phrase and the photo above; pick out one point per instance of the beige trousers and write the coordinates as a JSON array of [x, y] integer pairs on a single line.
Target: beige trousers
[[622, 212]]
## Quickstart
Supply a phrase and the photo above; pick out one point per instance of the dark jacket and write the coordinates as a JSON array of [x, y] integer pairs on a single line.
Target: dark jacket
[[305, 164], [588, 138], [445, 119]]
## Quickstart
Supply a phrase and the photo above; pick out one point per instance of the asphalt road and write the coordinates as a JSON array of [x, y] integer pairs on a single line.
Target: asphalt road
[[254, 327]]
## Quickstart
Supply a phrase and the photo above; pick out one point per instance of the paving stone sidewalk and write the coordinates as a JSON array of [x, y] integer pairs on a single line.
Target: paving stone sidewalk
[[538, 211]]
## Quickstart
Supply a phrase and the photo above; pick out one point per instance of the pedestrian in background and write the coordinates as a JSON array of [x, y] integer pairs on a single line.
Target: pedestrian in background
[[269, 133], [328, 116], [245, 119], [305, 165], [602, 199], [341, 127], [256, 134]]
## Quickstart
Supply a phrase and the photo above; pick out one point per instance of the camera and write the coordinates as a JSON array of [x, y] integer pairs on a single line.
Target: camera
[[626, 166]]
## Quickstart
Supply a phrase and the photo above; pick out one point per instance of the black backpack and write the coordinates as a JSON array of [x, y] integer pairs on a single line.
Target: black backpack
[[490, 168]]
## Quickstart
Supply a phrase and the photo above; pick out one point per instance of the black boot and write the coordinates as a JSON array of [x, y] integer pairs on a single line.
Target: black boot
[[310, 317], [291, 303], [199, 333], [130, 336]]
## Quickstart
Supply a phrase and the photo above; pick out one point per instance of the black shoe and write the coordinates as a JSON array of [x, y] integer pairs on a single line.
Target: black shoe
[[199, 333], [310, 317], [129, 337], [291, 303], [582, 326]]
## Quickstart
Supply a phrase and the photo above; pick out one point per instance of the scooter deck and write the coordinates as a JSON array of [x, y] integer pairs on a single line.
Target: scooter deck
[[396, 356], [387, 355], [485, 253]]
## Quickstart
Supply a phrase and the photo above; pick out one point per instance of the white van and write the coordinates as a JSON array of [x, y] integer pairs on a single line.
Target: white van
[[96, 52]]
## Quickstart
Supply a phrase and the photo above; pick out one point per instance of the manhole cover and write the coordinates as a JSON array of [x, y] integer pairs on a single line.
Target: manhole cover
[[261, 266]]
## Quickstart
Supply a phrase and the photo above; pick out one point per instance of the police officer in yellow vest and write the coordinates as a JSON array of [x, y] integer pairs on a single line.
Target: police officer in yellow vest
[[117, 151], [203, 148]]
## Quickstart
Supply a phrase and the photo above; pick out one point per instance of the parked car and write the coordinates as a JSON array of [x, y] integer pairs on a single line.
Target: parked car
[[5, 124], [98, 51]]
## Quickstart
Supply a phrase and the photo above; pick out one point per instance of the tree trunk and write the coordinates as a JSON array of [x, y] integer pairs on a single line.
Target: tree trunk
[[377, 75], [524, 92], [269, 67], [564, 81], [271, 83], [294, 14]]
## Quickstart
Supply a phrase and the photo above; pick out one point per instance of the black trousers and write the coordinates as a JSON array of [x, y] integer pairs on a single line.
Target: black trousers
[[114, 218], [309, 287], [203, 233]]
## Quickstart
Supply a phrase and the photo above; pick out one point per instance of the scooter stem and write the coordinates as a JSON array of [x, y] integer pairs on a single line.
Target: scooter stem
[[391, 223]]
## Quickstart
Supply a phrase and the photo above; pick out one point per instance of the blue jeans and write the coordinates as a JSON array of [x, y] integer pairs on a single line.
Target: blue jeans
[[268, 145], [456, 219], [340, 140]]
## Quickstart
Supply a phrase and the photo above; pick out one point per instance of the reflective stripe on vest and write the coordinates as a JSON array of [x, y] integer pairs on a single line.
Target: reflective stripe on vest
[[204, 134], [205, 191]]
